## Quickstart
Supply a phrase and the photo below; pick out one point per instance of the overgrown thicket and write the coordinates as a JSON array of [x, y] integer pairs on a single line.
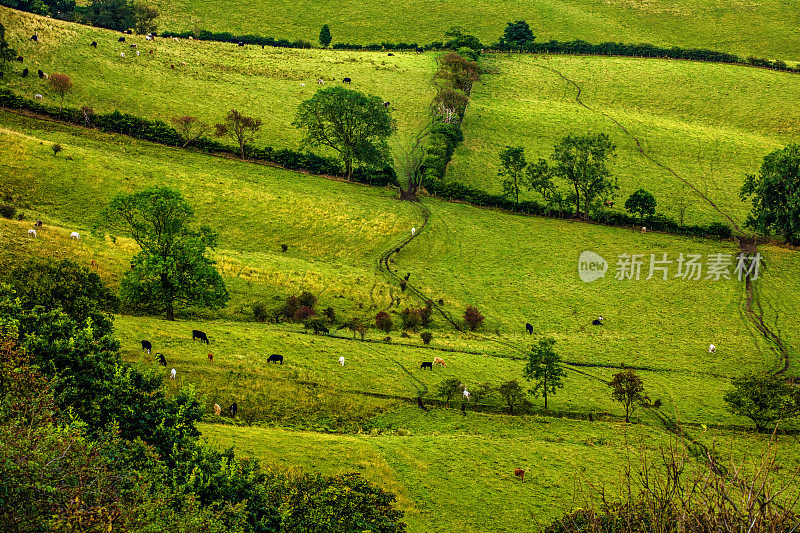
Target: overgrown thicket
[[91, 443]]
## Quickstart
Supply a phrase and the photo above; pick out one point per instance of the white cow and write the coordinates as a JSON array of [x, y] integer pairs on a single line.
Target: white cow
[[712, 348], [172, 373], [466, 394], [75, 235], [122, 54], [413, 231], [32, 232], [37, 96], [341, 360]]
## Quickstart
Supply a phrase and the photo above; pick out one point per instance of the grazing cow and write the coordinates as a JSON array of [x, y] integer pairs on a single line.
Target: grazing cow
[[529, 327], [597, 321], [19, 58], [341, 360], [175, 39], [197, 334], [122, 54], [137, 53], [133, 45], [275, 358], [426, 364], [420, 404], [217, 409], [644, 229], [128, 32], [32, 232], [210, 357], [35, 37], [320, 81], [161, 359], [37, 96], [712, 348], [121, 40], [302, 85], [24, 73], [233, 409], [94, 263], [75, 235], [387, 104], [439, 361], [147, 346], [148, 37], [41, 74], [346, 80], [241, 44], [152, 52], [172, 373], [390, 54], [413, 231], [38, 224], [520, 473], [94, 44]]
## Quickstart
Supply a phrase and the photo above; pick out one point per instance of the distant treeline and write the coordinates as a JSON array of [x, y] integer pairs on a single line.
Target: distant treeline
[[160, 132]]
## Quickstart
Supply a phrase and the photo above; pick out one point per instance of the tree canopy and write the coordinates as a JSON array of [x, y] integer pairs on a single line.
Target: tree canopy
[[763, 398], [628, 389], [172, 268], [517, 34], [355, 125], [775, 194], [512, 163], [325, 36], [641, 203], [544, 369], [6, 52]]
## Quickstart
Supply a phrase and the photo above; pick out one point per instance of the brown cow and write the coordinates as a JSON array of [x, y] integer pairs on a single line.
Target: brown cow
[[217, 409], [520, 473], [210, 357], [439, 361]]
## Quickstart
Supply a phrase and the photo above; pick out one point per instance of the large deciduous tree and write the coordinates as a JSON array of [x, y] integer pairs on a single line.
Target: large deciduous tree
[[325, 36], [355, 125], [517, 34], [512, 164], [775, 194], [763, 398], [240, 128], [61, 84], [544, 369], [641, 203], [172, 268], [627, 389]]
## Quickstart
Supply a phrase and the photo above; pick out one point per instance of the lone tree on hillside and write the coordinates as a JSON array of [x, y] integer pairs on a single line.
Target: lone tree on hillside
[[517, 34], [325, 36], [775, 193], [354, 124], [544, 369], [240, 128], [172, 267], [581, 161], [61, 84], [628, 389], [473, 318], [513, 394], [512, 161], [189, 128], [763, 398], [6, 52], [641, 203]]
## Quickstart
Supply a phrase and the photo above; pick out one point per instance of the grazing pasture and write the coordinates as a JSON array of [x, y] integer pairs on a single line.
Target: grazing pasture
[[747, 28], [710, 123]]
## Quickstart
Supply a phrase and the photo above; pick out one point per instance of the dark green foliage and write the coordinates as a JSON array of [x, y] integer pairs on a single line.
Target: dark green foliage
[[260, 312], [290, 307], [330, 314], [426, 337], [6, 52], [116, 15], [240, 128], [411, 319], [516, 35], [384, 322], [459, 39], [325, 36], [641, 203], [56, 149], [172, 268], [8, 211], [449, 389], [763, 398], [628, 389], [512, 393], [307, 299], [512, 164], [353, 124], [425, 314], [79, 293], [473, 318], [544, 369], [775, 195], [144, 17]]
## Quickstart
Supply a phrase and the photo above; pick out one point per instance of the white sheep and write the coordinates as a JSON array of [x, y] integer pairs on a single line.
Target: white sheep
[[175, 39], [413, 231], [466, 394], [37, 96], [137, 53], [321, 81], [75, 235], [341, 360], [172, 373], [712, 348], [32, 232]]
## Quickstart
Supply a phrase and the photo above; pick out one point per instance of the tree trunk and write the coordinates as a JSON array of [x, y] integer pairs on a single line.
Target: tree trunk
[[170, 312], [545, 392], [348, 167]]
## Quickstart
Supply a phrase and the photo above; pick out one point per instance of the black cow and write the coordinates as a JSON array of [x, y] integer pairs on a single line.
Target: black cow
[[391, 54], [387, 104], [427, 364], [147, 346], [233, 409], [19, 58], [121, 40], [275, 358], [408, 275], [24, 73], [41, 74], [35, 38], [38, 224], [197, 334], [161, 359], [94, 43], [346, 80], [241, 44], [1, 75], [128, 32], [597, 321], [529, 328]]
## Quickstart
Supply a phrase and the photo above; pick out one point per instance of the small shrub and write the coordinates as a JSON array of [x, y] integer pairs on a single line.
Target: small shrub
[[307, 299], [658, 403], [473, 318], [260, 312], [426, 337], [384, 322], [411, 319], [329, 313], [56, 148], [425, 315], [304, 313], [403, 286], [7, 211]]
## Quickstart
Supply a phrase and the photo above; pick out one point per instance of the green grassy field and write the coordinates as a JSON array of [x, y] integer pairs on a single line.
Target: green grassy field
[[710, 123], [209, 78], [746, 28]]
